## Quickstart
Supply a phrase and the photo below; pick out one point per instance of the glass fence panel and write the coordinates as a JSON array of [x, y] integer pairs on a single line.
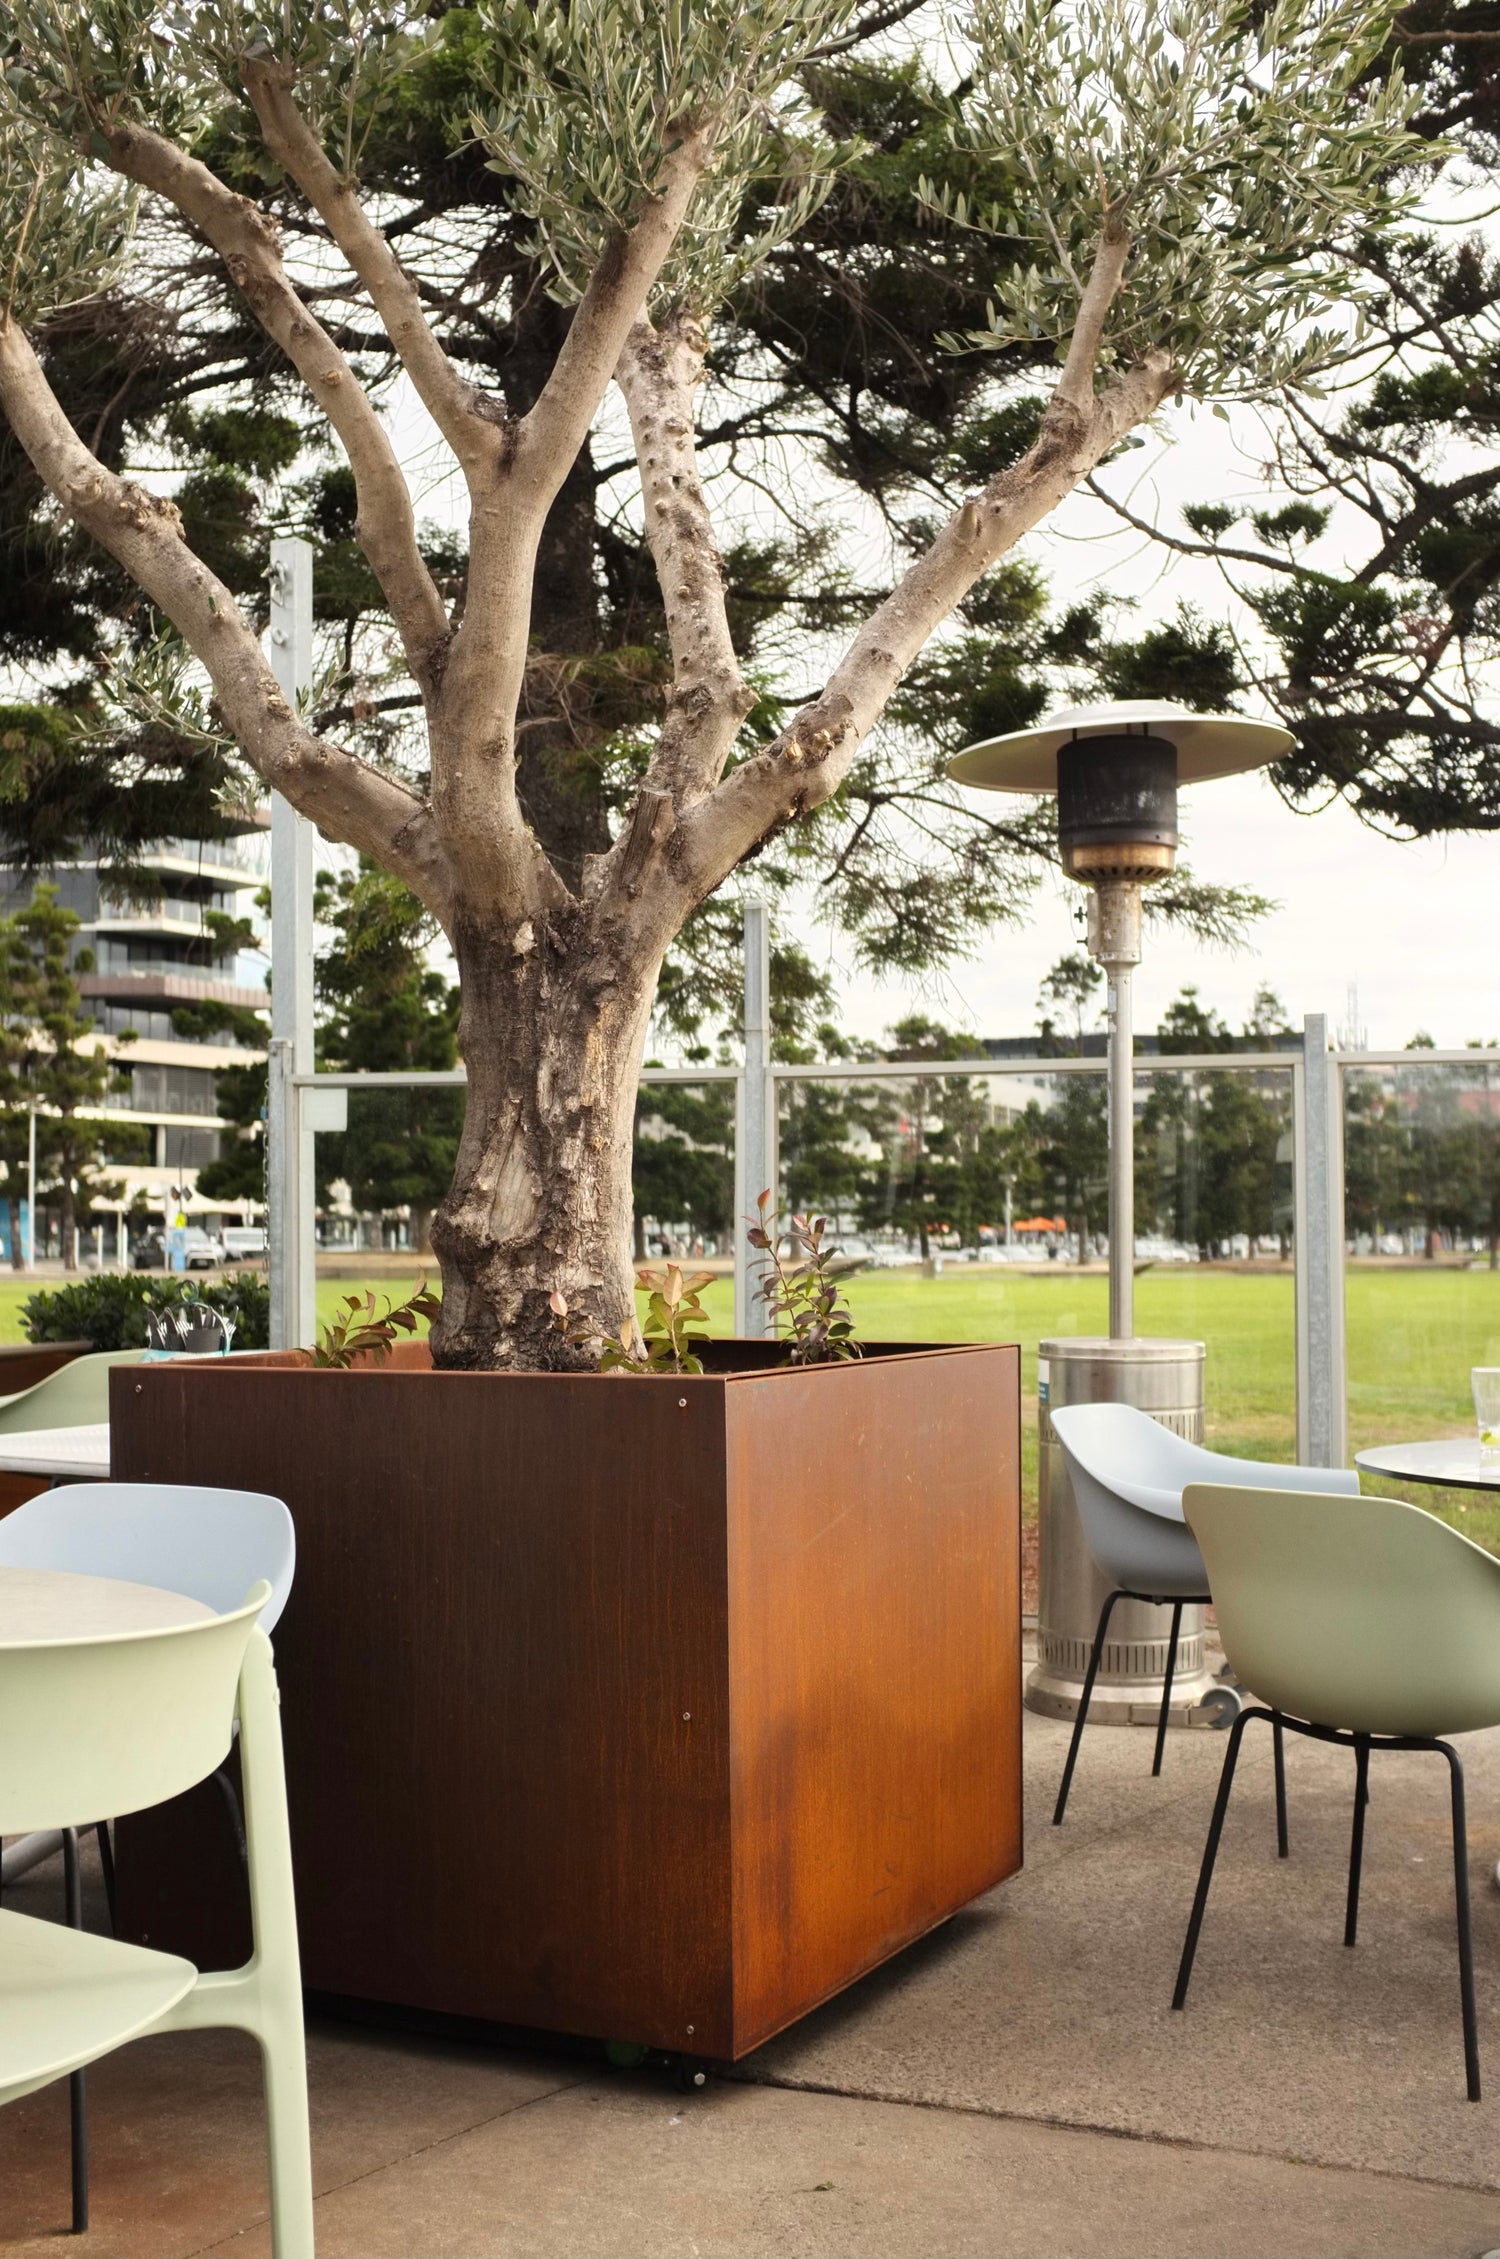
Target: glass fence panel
[[378, 1184], [1214, 1158], [380, 1180], [683, 1180], [976, 1208], [970, 1207], [1421, 1286]]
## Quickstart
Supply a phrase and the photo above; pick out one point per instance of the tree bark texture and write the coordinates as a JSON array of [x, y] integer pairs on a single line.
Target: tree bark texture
[[553, 1030]]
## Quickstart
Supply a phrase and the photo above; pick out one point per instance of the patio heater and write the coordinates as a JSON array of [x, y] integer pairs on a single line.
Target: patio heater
[[1115, 770]]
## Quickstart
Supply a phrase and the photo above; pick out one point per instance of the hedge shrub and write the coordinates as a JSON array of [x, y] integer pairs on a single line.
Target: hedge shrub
[[110, 1310]]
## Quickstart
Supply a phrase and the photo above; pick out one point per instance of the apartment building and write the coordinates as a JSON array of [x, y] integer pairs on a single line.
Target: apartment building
[[152, 952]]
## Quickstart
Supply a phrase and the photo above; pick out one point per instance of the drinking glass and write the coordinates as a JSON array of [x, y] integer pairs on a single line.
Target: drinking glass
[[1486, 1382]]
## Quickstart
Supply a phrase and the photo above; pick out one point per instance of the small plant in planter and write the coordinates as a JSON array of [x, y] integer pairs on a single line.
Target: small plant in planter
[[665, 1341], [362, 1329], [804, 1294]]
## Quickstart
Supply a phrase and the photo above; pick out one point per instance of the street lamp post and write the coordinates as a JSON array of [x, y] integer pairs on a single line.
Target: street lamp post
[[1115, 770], [31, 1189]]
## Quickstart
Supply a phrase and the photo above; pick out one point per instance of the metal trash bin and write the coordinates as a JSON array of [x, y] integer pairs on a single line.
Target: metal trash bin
[[1164, 1378]]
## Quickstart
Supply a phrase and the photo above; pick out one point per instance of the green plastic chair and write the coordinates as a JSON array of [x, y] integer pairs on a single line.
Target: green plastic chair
[[75, 1396], [111, 1725], [1360, 1621]]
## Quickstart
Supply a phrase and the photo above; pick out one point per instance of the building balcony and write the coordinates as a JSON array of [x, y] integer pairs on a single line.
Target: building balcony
[[169, 913], [166, 983], [242, 860]]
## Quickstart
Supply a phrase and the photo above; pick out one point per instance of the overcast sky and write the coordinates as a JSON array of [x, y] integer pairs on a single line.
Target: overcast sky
[[1413, 927]]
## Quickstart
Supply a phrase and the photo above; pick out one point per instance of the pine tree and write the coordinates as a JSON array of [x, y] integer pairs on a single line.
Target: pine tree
[[65, 1071]]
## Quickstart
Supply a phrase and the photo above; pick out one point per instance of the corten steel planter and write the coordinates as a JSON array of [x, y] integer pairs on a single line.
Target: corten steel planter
[[648, 1709], [22, 1365]]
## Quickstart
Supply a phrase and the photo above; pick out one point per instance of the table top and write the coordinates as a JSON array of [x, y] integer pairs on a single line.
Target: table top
[[1455, 1462], [57, 1604], [80, 1451]]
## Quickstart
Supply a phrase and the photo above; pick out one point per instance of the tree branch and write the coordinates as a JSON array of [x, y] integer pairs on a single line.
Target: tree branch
[[246, 241], [809, 760], [1075, 387], [347, 799], [473, 425], [659, 373], [866, 27], [474, 729], [551, 433]]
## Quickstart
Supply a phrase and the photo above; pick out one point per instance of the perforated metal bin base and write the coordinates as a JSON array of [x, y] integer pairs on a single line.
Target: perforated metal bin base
[[1164, 1378]]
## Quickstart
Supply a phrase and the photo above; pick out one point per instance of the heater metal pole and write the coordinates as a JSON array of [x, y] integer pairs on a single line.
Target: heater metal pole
[[1115, 943], [1121, 1158]]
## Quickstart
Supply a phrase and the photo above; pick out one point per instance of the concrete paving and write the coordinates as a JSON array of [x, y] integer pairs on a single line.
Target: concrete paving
[[1016, 2084]]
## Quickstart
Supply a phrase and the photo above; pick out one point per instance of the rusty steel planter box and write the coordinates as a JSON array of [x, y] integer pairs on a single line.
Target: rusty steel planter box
[[652, 1710]]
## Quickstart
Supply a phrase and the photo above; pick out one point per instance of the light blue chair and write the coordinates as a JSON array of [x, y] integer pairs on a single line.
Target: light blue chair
[[210, 1544], [213, 1545], [1128, 1474]]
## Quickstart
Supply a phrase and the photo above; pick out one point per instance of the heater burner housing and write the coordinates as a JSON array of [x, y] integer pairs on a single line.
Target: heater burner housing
[[1117, 808]]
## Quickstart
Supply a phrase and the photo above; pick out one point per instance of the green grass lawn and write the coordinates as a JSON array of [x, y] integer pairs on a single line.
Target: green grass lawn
[[1412, 1337]]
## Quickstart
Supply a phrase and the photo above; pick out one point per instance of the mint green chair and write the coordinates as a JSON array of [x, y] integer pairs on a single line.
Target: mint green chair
[[75, 1396], [1360, 1621], [109, 1725]]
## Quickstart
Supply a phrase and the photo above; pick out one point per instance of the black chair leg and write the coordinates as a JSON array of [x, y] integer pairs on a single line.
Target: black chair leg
[[1083, 1707], [1465, 1935], [1278, 1750], [107, 1864], [78, 2124], [1357, 1837], [1166, 1692], [1210, 1853], [226, 1789]]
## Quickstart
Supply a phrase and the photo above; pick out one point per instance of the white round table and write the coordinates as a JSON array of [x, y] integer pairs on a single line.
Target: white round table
[[80, 1453], [1455, 1463], [59, 1604]]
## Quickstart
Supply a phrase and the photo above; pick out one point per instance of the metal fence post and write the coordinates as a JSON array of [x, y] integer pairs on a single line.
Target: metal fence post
[[1322, 1414], [755, 1122], [290, 1195]]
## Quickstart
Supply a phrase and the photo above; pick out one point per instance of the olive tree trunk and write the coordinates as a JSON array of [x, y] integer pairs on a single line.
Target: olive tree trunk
[[553, 1035]]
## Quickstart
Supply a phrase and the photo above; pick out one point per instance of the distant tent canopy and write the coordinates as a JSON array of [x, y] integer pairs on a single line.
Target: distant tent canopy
[[1041, 1223]]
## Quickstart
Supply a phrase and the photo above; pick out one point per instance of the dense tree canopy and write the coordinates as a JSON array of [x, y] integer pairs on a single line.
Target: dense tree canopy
[[828, 358], [1369, 560]]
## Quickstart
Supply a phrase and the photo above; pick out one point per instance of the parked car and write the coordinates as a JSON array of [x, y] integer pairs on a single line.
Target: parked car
[[149, 1252], [203, 1252], [241, 1240]]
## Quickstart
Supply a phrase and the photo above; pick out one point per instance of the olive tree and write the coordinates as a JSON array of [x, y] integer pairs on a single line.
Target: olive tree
[[1185, 177]]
